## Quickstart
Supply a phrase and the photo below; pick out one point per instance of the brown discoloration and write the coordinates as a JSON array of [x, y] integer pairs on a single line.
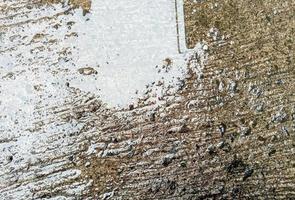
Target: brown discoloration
[[104, 172], [249, 19], [84, 4], [87, 71]]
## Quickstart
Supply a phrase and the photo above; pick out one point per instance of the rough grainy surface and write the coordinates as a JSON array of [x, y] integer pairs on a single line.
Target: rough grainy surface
[[227, 133]]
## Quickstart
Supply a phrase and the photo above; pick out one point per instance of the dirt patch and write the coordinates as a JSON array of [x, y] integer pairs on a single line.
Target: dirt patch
[[249, 18], [103, 172], [84, 4]]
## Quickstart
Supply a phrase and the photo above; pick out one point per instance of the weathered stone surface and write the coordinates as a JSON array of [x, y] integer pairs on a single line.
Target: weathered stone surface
[[210, 140]]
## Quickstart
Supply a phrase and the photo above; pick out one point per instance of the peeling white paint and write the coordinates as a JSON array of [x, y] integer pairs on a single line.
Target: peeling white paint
[[125, 41]]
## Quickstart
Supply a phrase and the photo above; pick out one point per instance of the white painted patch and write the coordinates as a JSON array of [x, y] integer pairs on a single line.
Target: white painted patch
[[125, 41]]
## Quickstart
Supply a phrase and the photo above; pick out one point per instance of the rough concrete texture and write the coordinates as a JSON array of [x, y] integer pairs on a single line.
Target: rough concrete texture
[[227, 133]]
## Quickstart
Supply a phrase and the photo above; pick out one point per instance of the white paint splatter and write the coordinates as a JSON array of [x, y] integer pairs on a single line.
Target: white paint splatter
[[125, 41]]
